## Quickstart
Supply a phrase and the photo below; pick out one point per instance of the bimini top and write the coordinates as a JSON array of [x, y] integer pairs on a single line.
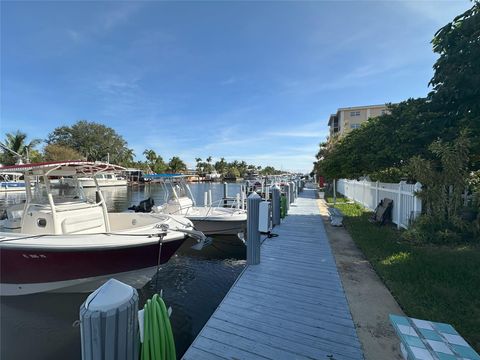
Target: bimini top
[[63, 168]]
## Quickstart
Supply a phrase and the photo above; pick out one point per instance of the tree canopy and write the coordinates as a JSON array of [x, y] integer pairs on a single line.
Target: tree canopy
[[96, 142], [383, 146], [176, 165], [55, 152]]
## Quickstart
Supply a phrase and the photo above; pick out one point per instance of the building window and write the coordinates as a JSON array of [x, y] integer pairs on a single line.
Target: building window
[[354, 113], [384, 112], [354, 126]]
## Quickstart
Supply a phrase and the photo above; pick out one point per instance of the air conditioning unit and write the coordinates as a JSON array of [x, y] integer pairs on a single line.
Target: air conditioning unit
[[264, 217]]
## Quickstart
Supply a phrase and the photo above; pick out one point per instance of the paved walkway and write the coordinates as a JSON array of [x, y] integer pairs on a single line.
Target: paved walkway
[[290, 306]]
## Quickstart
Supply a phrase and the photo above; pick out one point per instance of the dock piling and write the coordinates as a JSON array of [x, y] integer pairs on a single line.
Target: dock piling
[[253, 235], [275, 205], [109, 323], [225, 193]]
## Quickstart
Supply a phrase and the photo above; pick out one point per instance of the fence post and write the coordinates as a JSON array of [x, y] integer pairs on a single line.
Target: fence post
[[334, 192], [363, 194], [253, 235], [417, 202], [275, 205], [399, 199]]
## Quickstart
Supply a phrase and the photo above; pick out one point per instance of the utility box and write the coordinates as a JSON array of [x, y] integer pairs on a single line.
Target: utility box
[[264, 217]]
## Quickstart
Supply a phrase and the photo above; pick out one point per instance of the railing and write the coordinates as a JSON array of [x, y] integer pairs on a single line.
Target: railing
[[406, 204]]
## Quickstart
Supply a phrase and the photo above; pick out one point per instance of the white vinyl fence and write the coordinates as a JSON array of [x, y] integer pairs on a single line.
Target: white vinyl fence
[[406, 206]]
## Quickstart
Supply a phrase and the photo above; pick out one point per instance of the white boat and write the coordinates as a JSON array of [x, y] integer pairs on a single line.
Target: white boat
[[70, 243], [106, 179], [212, 219], [11, 181]]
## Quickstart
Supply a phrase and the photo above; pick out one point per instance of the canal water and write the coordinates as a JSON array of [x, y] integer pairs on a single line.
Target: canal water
[[43, 326]]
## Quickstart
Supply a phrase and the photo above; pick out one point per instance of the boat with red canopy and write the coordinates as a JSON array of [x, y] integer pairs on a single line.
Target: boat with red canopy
[[66, 242]]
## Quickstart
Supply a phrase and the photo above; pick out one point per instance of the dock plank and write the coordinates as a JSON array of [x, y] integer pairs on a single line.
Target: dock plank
[[290, 306]]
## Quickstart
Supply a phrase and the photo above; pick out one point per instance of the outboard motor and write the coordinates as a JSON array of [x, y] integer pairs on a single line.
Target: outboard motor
[[145, 206]]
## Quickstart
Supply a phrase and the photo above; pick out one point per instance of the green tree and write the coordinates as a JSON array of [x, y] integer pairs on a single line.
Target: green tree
[[155, 162], [221, 166], [232, 172], [268, 170], [200, 166], [95, 141], [176, 165], [208, 167], [17, 142], [54, 152], [383, 143], [456, 81]]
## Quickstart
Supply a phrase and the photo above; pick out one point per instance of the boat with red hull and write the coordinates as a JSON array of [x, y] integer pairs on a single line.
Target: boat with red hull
[[73, 244]]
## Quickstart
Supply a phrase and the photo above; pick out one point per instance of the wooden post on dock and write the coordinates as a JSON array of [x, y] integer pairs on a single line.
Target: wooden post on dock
[[275, 205], [253, 235]]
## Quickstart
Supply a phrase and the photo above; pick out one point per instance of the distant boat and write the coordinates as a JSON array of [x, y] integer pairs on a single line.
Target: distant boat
[[103, 180], [70, 243], [11, 181], [213, 176], [209, 219]]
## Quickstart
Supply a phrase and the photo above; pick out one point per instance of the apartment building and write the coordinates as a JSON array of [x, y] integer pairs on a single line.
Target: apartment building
[[349, 118]]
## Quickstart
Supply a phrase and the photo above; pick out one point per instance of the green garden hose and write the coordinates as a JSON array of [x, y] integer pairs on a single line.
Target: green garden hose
[[158, 342], [283, 206]]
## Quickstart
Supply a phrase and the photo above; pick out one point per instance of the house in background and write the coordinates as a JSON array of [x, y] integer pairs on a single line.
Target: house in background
[[349, 118]]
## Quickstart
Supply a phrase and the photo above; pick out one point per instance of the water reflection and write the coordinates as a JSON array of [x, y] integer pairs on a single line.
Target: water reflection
[[194, 283]]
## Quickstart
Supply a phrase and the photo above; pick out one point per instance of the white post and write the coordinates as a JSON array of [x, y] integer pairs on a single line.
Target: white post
[[376, 194], [399, 199], [238, 201], [363, 193], [334, 192], [417, 202], [210, 197], [205, 199]]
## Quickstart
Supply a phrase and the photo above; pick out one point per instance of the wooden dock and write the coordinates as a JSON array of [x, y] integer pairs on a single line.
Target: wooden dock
[[290, 306]]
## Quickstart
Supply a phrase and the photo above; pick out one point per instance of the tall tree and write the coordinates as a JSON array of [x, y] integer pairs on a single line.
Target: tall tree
[[54, 152], [17, 142], [456, 81], [208, 167], [95, 141], [200, 165], [176, 165], [154, 161], [221, 166]]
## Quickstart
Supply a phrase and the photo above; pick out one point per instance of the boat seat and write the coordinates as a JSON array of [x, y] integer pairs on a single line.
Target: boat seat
[[73, 206], [82, 224]]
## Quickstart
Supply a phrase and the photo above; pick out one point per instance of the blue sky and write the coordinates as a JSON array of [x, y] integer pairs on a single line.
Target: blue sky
[[253, 81]]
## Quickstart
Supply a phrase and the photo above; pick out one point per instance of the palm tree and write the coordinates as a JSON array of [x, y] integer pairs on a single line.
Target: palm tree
[[16, 142], [176, 165]]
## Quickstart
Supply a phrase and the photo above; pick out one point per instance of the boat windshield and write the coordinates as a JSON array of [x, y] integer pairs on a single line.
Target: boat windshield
[[40, 192]]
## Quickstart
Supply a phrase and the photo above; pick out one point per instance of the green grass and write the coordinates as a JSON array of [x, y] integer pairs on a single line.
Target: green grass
[[436, 283]]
